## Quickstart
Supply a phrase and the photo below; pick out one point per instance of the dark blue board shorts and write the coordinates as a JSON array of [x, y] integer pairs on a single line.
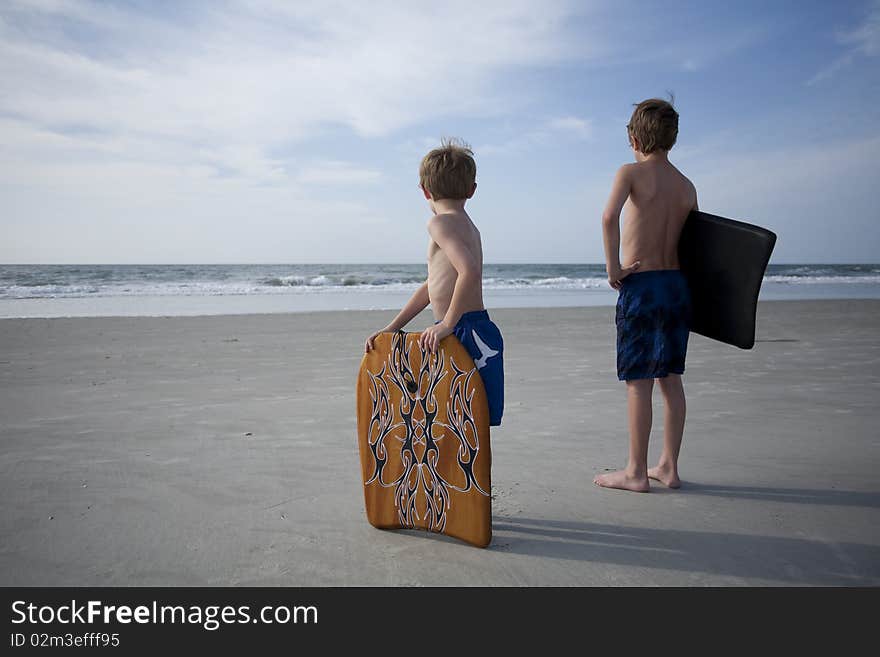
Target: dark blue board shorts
[[483, 342], [653, 318]]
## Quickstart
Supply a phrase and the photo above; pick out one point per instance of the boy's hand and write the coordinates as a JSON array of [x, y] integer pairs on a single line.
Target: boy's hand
[[614, 278], [368, 345], [431, 336]]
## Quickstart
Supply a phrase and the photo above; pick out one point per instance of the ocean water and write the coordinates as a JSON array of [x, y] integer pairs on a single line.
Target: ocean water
[[98, 290]]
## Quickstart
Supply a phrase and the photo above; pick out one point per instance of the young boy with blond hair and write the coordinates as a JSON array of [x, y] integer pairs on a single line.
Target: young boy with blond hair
[[653, 308], [447, 177]]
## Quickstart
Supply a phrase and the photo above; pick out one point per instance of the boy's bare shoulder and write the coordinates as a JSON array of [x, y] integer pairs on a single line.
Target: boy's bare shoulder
[[444, 221], [630, 173], [628, 169], [689, 182], [689, 185], [437, 221]]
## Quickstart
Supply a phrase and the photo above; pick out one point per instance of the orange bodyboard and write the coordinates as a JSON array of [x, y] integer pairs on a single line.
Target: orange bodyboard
[[423, 435]]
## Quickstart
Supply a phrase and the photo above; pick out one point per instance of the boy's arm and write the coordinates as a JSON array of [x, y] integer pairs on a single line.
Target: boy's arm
[[416, 304], [468, 270], [620, 190]]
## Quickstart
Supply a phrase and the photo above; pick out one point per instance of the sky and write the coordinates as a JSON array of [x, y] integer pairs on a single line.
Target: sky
[[291, 132]]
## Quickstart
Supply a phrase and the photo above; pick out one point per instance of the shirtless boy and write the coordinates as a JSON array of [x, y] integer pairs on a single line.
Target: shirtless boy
[[653, 308], [447, 177]]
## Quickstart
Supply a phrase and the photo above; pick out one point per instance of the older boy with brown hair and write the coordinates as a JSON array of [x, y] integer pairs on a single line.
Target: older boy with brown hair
[[653, 308], [447, 177]]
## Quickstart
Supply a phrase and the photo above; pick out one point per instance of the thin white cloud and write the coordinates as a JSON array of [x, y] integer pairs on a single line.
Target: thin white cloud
[[698, 53], [546, 132], [865, 39], [572, 125], [862, 41], [236, 84], [334, 172], [671, 43]]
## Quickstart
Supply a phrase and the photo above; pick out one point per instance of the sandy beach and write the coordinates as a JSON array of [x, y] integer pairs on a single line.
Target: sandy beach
[[220, 450]]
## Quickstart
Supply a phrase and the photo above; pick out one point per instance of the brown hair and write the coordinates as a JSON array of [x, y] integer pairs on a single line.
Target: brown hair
[[654, 124], [449, 171]]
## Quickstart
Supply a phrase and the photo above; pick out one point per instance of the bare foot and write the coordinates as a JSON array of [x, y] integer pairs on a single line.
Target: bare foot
[[622, 480], [665, 475]]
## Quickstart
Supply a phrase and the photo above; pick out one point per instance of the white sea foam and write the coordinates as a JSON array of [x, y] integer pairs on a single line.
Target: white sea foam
[[90, 281], [833, 280]]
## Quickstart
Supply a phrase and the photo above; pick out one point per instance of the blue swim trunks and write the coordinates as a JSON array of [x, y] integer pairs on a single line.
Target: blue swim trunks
[[653, 318], [483, 342]]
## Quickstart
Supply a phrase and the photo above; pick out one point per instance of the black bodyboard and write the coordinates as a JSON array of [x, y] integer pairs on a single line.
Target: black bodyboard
[[724, 262]]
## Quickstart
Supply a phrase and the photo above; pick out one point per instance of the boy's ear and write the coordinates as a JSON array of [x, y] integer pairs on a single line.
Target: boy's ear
[[426, 193], [474, 189]]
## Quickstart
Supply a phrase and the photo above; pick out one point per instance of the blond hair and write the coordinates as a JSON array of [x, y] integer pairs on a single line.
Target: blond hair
[[449, 171], [654, 124]]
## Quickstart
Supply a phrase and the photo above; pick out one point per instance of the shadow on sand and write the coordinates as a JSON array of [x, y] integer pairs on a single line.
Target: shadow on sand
[[829, 496], [780, 559]]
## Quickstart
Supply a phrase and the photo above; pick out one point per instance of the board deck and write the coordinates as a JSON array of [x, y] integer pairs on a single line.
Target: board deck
[[724, 262], [423, 436]]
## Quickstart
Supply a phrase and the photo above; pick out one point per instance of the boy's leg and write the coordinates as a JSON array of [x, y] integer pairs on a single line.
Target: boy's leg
[[673, 430], [635, 476]]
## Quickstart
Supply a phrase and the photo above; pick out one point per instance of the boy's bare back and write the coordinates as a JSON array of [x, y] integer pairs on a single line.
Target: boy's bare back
[[660, 199], [462, 240]]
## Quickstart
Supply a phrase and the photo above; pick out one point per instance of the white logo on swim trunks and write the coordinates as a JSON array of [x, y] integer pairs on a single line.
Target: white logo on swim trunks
[[485, 352]]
